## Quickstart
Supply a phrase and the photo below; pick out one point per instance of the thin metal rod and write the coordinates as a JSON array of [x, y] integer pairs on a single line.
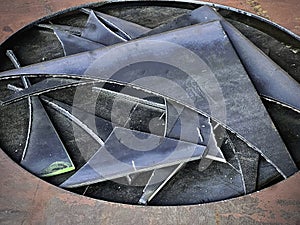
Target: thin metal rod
[[131, 98], [10, 54]]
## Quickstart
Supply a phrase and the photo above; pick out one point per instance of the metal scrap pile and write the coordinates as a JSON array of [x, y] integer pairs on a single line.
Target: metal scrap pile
[[179, 105]]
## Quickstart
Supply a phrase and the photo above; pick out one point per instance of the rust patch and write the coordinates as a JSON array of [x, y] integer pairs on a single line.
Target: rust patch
[[258, 8]]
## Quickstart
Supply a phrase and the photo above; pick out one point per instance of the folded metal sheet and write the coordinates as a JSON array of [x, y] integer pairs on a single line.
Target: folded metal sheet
[[219, 65], [125, 28], [73, 44], [118, 158], [97, 31]]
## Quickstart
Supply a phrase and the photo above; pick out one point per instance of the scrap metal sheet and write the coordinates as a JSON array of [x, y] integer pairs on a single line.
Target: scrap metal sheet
[[118, 158], [96, 31], [73, 44], [45, 154]]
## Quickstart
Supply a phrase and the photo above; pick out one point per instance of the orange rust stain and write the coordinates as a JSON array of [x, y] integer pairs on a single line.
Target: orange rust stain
[[258, 8]]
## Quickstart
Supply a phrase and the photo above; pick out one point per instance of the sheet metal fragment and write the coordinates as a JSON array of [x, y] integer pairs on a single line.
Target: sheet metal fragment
[[44, 153], [96, 31], [124, 27], [116, 159], [269, 79], [73, 44], [157, 181], [248, 160]]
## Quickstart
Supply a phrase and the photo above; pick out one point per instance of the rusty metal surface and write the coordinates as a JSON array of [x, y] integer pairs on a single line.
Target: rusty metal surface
[[25, 199]]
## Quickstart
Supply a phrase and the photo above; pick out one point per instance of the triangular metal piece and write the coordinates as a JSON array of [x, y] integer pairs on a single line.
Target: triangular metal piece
[[188, 125], [96, 31], [248, 163], [124, 27], [270, 80], [157, 181], [73, 44], [83, 119], [45, 154], [200, 15], [120, 157]]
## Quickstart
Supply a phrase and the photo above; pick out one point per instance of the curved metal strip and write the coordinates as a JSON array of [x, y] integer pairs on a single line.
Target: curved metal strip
[[47, 85]]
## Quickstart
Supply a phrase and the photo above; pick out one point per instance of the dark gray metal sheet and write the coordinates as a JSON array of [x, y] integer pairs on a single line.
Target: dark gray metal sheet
[[45, 154], [96, 31], [42, 139], [248, 161], [87, 121], [188, 125], [157, 181], [269, 79], [129, 29], [117, 159], [73, 44]]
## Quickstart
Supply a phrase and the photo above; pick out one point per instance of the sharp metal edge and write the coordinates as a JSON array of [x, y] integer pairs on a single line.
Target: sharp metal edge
[[35, 107]]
